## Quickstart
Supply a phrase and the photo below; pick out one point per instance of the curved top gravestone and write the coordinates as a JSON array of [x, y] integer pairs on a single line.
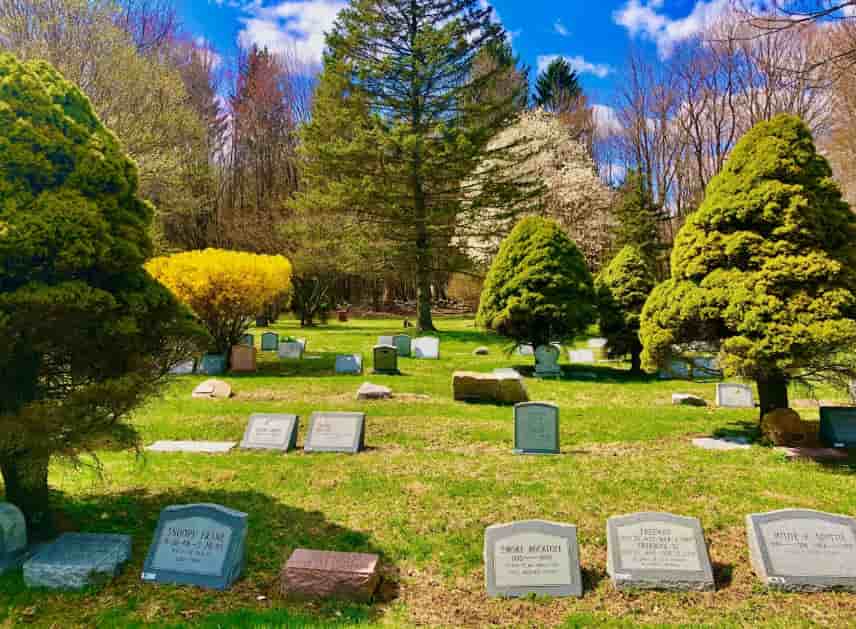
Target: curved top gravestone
[[13, 536]]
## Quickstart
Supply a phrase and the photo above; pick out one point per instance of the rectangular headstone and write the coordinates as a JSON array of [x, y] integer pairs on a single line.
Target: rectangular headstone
[[349, 364], [243, 359], [321, 574], [184, 368], [267, 431], [13, 537], [525, 349], [658, 551], [706, 367], [386, 340], [426, 347], [336, 432], [76, 560], [195, 447], [536, 428], [291, 350], [248, 339], [385, 359], [402, 344], [532, 557], [800, 550], [547, 362], [270, 342], [838, 426], [730, 395], [212, 364], [197, 544], [581, 355]]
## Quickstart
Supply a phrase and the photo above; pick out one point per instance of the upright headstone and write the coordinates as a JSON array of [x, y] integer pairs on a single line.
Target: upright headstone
[[184, 368], [270, 342], [198, 544], [536, 428], [597, 343], [706, 367], [336, 432], [525, 349], [248, 339], [385, 360], [386, 340], [581, 355], [426, 347], [675, 370], [800, 550], [13, 537], [212, 364], [402, 344], [349, 364], [730, 395], [838, 426], [658, 551], [266, 431], [547, 362], [243, 359], [291, 350], [532, 557], [76, 560]]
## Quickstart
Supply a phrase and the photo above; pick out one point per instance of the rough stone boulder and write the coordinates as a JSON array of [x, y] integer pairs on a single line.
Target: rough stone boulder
[[470, 386], [686, 399], [369, 391], [212, 390], [785, 427]]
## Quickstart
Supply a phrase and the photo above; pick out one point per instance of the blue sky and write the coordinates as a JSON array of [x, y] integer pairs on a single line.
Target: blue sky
[[593, 35]]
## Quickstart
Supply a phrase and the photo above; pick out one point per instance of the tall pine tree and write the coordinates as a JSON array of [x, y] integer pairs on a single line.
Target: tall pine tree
[[638, 218], [557, 87]]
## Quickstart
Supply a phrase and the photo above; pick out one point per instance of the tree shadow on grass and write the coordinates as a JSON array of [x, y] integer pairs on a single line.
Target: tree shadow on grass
[[590, 373], [737, 430]]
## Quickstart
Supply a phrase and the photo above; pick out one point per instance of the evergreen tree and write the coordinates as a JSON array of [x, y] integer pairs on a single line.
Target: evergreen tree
[[637, 217], [557, 88], [766, 267], [509, 77]]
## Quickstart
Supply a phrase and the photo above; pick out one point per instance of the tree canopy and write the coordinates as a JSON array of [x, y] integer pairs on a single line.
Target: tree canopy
[[557, 87]]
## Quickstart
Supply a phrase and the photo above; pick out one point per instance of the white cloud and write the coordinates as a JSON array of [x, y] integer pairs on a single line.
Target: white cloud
[[606, 120], [214, 59], [577, 63], [561, 29]]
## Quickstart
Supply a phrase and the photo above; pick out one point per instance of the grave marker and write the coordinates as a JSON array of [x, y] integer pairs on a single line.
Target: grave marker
[[13, 537], [212, 390], [402, 344], [536, 428], [838, 426], [526, 349], [248, 339], [270, 342], [266, 431], [212, 364], [336, 432], [386, 340], [349, 364], [76, 560], [243, 359], [184, 368], [730, 395], [385, 360], [426, 347], [324, 574], [547, 362], [581, 355], [197, 544], [292, 350]]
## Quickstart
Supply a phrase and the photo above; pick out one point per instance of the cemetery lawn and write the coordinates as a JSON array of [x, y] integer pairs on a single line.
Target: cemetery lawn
[[436, 473]]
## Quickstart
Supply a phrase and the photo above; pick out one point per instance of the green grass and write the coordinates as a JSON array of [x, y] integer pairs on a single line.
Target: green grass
[[436, 473]]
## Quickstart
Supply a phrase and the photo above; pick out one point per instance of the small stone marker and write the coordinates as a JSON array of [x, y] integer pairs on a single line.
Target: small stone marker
[[385, 360], [547, 362], [402, 344], [502, 388], [532, 557], [536, 428], [212, 364], [730, 395], [349, 364], [526, 349], [198, 544], [369, 391], [243, 359], [597, 343], [581, 355], [248, 339], [76, 560], [184, 368], [336, 432], [426, 347], [386, 340], [13, 537], [270, 342], [687, 399], [292, 350], [800, 550], [658, 551], [724, 443], [195, 447], [266, 431], [310, 574], [212, 390], [838, 426]]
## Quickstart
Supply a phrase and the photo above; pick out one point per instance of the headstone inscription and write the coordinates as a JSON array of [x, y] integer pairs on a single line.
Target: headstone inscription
[[266, 431], [536, 428], [324, 574], [212, 364], [291, 350], [730, 395], [800, 550], [76, 560], [336, 432], [184, 368], [658, 551], [349, 364], [248, 339], [13, 537], [547, 362], [532, 557], [385, 360], [270, 342], [198, 544], [243, 359], [838, 426], [402, 344], [426, 347]]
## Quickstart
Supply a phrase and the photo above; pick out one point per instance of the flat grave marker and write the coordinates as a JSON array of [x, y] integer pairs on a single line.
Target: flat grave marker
[[270, 342], [271, 431], [194, 447], [385, 360], [349, 364], [536, 428], [310, 574], [402, 343], [13, 537], [76, 560], [658, 551], [336, 432], [838, 426], [426, 347], [731, 395], [197, 544]]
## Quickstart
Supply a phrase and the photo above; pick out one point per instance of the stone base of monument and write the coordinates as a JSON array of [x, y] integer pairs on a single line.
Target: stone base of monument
[[319, 574], [77, 560], [548, 374]]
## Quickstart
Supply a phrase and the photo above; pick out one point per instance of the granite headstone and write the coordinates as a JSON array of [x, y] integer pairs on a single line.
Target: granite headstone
[[426, 347], [184, 368], [349, 364], [13, 537], [77, 560], [336, 432], [271, 431], [270, 342], [310, 574], [731, 395], [243, 359], [402, 344], [291, 350], [536, 428], [547, 362], [385, 360], [838, 426], [212, 364]]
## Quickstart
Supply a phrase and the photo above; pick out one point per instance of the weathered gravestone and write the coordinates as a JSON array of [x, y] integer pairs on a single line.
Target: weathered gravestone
[[212, 390], [349, 364], [657, 551], [800, 550], [266, 431], [730, 395], [13, 537], [336, 432], [581, 355], [525, 349], [198, 544], [291, 350], [212, 364], [184, 368], [838, 426], [675, 370], [243, 359], [706, 367], [270, 342], [426, 347], [248, 339], [386, 340], [536, 428], [498, 387], [547, 362], [76, 560], [310, 574], [402, 344], [385, 360], [532, 557], [369, 391], [194, 447]]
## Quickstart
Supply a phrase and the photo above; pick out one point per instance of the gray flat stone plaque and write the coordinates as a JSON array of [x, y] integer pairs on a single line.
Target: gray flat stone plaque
[[801, 550], [270, 342], [426, 347], [349, 364], [724, 443], [536, 428], [336, 432], [402, 344], [271, 431], [730, 395], [532, 557], [581, 355], [838, 426], [385, 360], [13, 537], [196, 447], [198, 544], [76, 560], [658, 551]]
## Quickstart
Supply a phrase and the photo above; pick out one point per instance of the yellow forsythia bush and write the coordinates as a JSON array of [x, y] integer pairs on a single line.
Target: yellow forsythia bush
[[226, 289]]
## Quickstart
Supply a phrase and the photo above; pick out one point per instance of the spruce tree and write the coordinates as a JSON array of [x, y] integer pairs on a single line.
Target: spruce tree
[[637, 217], [557, 87]]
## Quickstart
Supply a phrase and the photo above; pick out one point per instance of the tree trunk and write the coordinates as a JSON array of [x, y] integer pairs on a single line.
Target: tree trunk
[[26, 480], [773, 392], [635, 362]]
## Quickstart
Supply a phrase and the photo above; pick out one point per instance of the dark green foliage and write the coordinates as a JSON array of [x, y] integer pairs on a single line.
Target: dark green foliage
[[557, 88], [638, 217], [766, 267], [85, 332], [622, 289], [539, 288]]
